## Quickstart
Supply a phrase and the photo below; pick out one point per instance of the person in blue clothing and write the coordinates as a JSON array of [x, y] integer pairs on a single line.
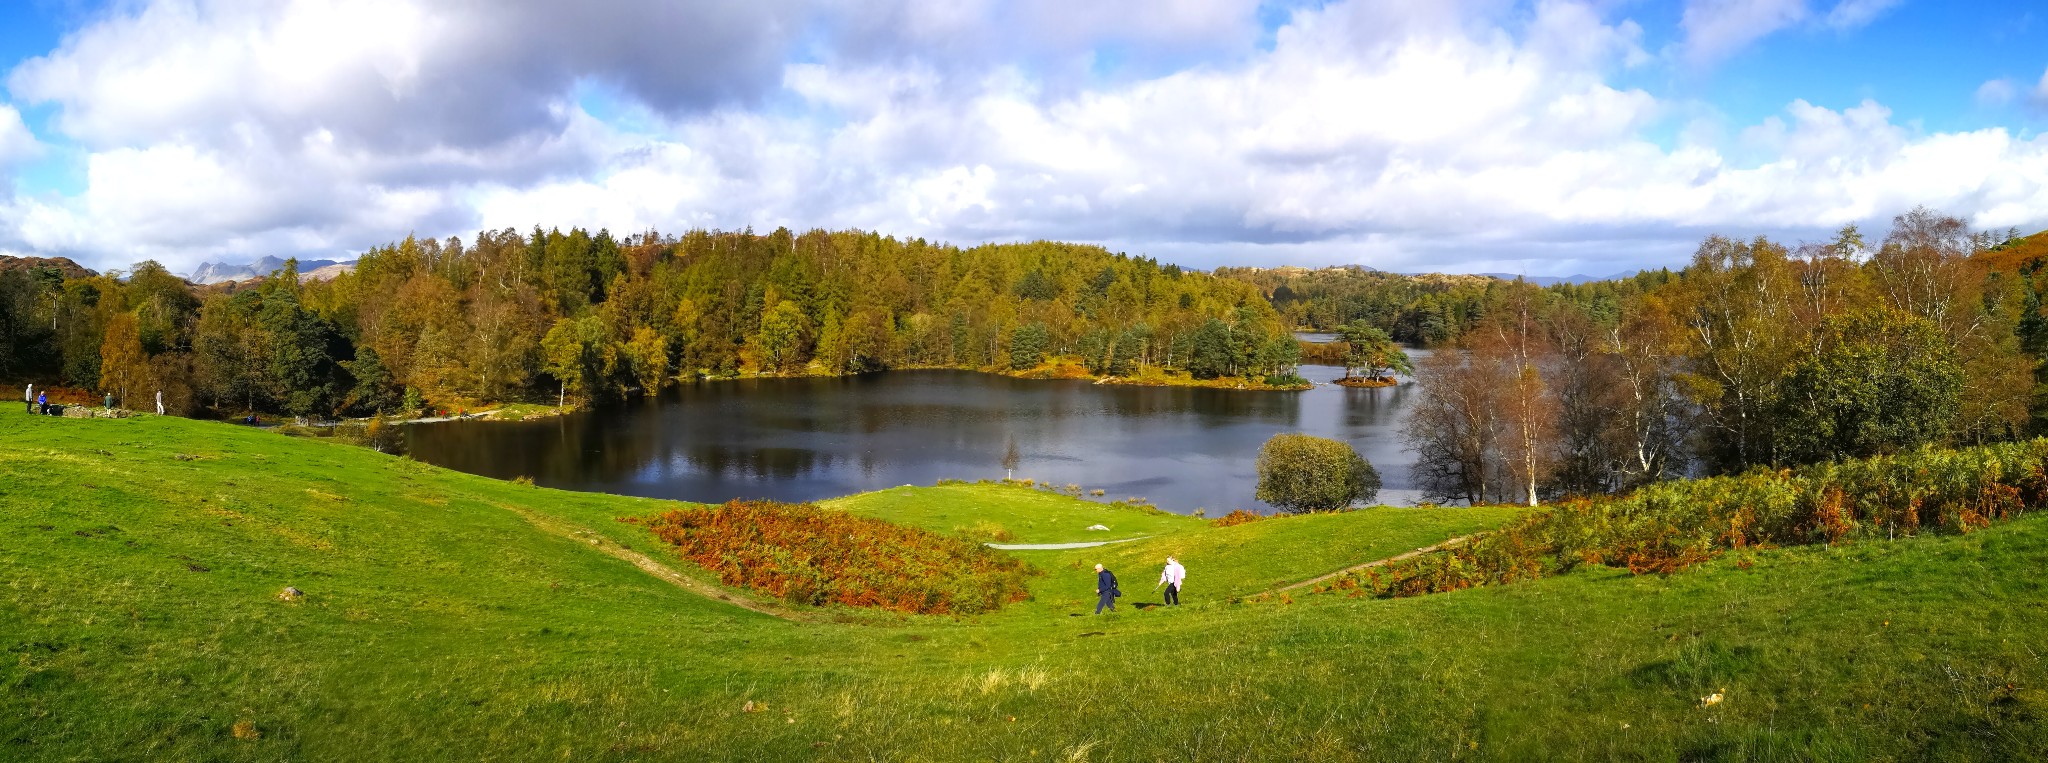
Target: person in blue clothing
[[43, 402], [1105, 589]]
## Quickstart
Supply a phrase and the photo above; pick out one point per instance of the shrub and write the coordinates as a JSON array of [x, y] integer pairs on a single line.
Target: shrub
[[1298, 472], [807, 555], [1237, 517]]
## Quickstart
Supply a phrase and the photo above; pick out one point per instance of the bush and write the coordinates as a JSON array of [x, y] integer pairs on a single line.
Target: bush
[[1298, 473], [1286, 380], [807, 555], [1667, 527], [1234, 518]]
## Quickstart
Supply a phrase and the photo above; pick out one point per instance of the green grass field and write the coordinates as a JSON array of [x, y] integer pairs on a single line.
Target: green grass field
[[450, 617]]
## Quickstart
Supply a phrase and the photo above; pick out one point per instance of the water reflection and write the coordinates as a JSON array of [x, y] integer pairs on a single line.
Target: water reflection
[[806, 439]]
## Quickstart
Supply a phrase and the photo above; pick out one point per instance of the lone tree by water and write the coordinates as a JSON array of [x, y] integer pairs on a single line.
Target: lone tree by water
[[1299, 473], [1370, 349]]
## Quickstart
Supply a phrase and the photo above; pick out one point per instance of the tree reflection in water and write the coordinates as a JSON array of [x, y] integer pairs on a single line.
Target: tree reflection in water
[[808, 439]]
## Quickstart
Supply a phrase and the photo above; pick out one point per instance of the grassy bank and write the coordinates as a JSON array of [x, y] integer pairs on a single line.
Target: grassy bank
[[451, 617]]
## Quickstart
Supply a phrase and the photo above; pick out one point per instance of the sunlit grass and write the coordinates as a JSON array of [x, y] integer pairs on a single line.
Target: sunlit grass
[[438, 624]]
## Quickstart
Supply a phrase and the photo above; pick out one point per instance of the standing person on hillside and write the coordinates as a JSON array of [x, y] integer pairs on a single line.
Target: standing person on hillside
[[1171, 577], [28, 397], [1105, 589]]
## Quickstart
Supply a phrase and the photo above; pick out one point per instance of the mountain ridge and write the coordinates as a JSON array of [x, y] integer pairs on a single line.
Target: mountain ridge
[[209, 273]]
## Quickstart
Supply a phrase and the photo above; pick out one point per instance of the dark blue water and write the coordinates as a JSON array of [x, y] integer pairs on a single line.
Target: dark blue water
[[808, 439]]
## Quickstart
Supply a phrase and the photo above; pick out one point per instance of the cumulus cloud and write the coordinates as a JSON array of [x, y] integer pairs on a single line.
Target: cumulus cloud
[[332, 120], [1344, 143], [16, 142], [394, 75], [1482, 134]]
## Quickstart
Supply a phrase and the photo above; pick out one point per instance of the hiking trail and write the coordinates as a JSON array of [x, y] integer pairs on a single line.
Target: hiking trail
[[1057, 546], [558, 528], [1402, 557]]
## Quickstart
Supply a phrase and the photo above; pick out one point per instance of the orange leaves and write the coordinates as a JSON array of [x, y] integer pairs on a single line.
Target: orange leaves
[[1237, 517], [807, 555], [1667, 527]]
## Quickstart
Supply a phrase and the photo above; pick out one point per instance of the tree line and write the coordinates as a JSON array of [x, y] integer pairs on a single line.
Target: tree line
[[553, 315], [1755, 355]]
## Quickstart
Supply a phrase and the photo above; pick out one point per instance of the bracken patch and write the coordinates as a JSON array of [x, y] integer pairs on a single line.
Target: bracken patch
[[807, 555], [1668, 527]]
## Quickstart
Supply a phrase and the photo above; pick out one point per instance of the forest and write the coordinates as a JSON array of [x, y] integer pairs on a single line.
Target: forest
[[555, 315], [1757, 355]]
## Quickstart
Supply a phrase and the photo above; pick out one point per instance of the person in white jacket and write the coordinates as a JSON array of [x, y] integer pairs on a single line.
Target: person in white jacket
[[1171, 578]]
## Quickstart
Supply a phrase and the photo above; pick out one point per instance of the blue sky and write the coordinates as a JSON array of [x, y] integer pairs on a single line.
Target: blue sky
[[1547, 137]]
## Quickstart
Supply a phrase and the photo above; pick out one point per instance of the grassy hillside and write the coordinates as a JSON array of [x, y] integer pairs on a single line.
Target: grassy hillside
[[452, 617]]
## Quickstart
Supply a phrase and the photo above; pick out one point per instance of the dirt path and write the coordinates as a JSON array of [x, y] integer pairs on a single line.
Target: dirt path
[[558, 528], [1058, 546], [1452, 543]]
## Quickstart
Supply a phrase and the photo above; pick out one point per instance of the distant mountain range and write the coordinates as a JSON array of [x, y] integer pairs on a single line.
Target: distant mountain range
[[1555, 280], [220, 272]]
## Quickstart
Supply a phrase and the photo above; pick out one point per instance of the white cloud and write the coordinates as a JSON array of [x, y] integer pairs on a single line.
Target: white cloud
[[392, 75], [1852, 14], [1482, 135], [17, 143], [1342, 143], [1716, 29], [1997, 92]]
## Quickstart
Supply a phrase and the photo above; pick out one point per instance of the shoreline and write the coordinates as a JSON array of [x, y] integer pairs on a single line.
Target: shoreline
[[1055, 372]]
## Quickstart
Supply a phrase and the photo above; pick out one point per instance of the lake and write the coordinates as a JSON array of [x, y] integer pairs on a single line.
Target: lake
[[808, 439]]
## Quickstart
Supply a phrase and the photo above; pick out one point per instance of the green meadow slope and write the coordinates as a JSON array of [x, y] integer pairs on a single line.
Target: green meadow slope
[[450, 617]]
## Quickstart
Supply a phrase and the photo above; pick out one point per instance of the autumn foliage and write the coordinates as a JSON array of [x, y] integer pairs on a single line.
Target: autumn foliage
[[807, 555], [1234, 518], [1670, 526]]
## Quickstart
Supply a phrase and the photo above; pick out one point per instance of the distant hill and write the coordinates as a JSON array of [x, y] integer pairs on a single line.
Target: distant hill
[[218, 272], [63, 265], [2009, 256]]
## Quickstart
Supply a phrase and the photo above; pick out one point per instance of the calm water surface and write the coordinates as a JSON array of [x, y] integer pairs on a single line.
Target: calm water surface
[[808, 439]]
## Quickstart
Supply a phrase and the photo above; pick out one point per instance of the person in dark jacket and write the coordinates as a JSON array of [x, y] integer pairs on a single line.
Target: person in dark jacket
[[1105, 589]]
